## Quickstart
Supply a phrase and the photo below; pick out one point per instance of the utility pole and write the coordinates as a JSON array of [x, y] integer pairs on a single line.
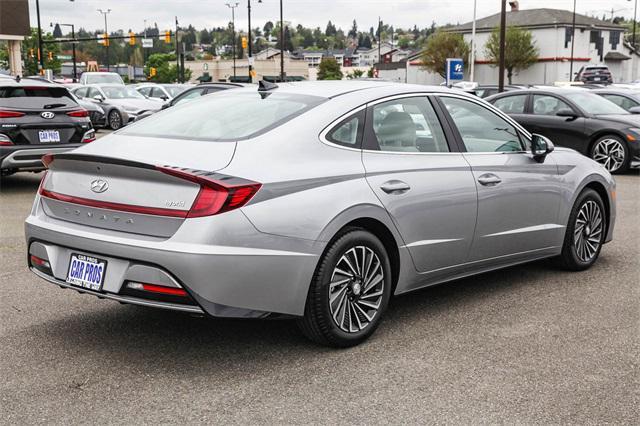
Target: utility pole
[[503, 25], [281, 44], [40, 55], [250, 39], [633, 36], [473, 42], [233, 31], [379, 38], [106, 33], [177, 54], [573, 39]]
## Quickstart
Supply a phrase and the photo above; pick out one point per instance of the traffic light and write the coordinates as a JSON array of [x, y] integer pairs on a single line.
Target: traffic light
[[132, 38], [105, 39], [152, 72], [50, 56], [244, 42], [167, 36]]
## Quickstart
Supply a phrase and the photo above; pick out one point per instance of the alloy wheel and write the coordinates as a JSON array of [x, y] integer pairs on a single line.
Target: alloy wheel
[[356, 289], [587, 233], [610, 153], [115, 121]]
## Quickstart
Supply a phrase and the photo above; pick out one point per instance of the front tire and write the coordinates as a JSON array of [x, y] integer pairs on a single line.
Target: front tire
[[585, 232], [612, 152], [115, 119], [349, 292]]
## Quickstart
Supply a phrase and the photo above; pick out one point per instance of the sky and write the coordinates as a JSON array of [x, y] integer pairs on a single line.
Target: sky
[[126, 14]]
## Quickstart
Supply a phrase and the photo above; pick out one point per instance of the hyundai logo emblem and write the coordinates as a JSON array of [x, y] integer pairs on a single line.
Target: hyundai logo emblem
[[47, 114], [99, 185]]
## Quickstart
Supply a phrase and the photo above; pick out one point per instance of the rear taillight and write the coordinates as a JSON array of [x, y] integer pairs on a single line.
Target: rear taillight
[[78, 113], [5, 140], [89, 136], [10, 114], [218, 193]]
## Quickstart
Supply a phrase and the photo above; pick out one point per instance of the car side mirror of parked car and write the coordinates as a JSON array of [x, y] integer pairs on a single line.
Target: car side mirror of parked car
[[164, 97], [566, 112], [98, 98], [634, 110], [540, 147]]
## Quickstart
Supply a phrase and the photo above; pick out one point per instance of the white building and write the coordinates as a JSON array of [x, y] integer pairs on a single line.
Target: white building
[[596, 41]]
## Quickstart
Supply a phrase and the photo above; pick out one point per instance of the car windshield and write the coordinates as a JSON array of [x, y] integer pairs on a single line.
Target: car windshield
[[35, 97], [594, 104], [175, 90], [121, 92], [104, 79], [224, 117]]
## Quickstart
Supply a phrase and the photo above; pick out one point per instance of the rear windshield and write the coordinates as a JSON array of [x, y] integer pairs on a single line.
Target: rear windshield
[[225, 116], [104, 79], [35, 97]]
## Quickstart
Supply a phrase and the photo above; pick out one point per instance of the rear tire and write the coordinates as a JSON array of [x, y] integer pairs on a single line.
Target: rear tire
[[585, 232], [349, 292], [612, 152], [114, 119]]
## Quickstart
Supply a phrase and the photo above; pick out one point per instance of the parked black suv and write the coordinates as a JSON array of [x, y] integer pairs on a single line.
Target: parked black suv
[[38, 118]]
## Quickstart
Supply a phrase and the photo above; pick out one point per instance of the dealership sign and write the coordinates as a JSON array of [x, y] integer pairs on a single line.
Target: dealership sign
[[455, 70]]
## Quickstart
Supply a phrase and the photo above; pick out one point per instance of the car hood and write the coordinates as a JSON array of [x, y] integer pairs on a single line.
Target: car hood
[[631, 120], [136, 104]]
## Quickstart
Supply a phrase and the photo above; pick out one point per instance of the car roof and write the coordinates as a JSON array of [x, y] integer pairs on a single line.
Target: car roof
[[334, 88]]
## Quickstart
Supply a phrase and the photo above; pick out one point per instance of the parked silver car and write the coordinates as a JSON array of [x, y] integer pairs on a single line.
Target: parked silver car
[[121, 104], [317, 200]]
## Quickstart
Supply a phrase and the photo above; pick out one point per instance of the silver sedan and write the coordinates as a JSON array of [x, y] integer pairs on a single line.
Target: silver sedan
[[314, 200]]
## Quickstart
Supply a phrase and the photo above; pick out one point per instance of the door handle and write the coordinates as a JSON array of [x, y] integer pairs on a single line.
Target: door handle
[[395, 187], [489, 179]]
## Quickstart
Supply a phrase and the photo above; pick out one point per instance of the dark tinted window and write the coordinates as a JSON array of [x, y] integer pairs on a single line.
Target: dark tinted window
[[35, 97]]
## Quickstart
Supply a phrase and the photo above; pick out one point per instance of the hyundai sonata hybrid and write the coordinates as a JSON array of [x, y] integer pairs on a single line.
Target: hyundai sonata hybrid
[[313, 200]]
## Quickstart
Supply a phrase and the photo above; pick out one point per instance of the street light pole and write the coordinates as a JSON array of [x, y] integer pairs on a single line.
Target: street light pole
[[282, 44], [233, 31], [633, 36], [503, 25], [41, 56], [106, 33], [573, 40]]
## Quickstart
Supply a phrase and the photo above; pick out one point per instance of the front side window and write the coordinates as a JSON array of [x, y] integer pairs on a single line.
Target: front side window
[[407, 125], [482, 130], [511, 104], [594, 104], [548, 105], [225, 117]]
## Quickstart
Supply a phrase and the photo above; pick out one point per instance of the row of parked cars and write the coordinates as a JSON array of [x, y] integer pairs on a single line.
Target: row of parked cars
[[38, 116]]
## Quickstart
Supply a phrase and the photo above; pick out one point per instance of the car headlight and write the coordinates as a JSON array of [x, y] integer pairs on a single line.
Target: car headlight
[[633, 134]]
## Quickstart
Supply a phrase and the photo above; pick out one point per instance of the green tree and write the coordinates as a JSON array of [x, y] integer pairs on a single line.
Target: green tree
[[331, 30], [440, 46], [166, 69], [520, 50], [329, 69], [355, 74]]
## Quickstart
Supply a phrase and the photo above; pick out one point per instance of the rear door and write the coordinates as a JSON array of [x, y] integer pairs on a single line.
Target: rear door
[[425, 184], [518, 197]]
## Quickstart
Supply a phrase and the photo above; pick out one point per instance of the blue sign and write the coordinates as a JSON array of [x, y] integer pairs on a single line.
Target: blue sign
[[455, 70]]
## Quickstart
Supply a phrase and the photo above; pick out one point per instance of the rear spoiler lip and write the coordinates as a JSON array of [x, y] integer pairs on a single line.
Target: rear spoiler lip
[[97, 159]]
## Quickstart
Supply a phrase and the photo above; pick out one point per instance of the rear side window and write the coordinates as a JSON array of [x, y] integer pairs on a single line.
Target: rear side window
[[349, 131], [35, 97], [511, 104], [225, 117]]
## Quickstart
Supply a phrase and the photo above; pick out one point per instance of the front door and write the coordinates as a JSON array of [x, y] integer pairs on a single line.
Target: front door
[[563, 131], [426, 186], [518, 197]]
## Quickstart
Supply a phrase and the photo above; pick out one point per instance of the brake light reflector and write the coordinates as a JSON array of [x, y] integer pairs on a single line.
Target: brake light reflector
[[10, 114], [216, 195], [78, 113], [153, 288], [5, 140], [89, 136], [39, 263]]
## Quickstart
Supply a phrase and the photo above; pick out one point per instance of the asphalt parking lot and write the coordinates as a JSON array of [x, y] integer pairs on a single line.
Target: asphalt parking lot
[[530, 344]]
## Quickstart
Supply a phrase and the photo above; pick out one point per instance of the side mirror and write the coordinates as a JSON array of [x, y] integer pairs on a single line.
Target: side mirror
[[566, 112], [98, 98], [540, 147], [164, 97], [634, 110]]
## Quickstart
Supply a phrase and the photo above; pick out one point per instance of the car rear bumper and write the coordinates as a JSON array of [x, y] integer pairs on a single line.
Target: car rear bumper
[[25, 157], [245, 280]]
